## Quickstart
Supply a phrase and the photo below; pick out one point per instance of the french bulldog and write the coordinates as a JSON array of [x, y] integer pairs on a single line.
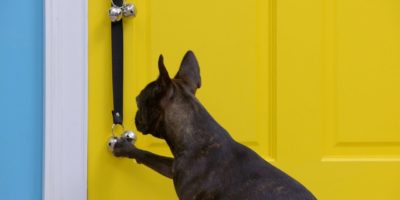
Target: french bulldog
[[207, 162]]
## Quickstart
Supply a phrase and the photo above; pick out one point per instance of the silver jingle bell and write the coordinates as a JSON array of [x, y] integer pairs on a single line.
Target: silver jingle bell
[[115, 14], [130, 136], [129, 10], [111, 143]]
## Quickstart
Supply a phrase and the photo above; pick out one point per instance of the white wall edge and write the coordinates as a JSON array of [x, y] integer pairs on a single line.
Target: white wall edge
[[66, 97]]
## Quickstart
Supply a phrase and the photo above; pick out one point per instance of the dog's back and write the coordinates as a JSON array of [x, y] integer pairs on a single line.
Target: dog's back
[[233, 171], [221, 168], [261, 180]]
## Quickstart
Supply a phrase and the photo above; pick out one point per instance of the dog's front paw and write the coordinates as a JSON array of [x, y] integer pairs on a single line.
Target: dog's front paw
[[123, 148]]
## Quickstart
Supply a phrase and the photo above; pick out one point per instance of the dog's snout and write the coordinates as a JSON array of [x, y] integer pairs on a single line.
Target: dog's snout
[[139, 123], [137, 101], [137, 119]]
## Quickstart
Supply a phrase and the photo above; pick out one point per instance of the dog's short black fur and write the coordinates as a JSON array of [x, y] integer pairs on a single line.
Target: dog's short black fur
[[207, 163]]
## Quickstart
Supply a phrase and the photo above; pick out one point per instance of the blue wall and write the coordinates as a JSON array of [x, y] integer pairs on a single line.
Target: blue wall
[[21, 99]]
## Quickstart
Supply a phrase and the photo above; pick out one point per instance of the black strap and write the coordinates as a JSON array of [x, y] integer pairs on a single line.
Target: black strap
[[117, 67]]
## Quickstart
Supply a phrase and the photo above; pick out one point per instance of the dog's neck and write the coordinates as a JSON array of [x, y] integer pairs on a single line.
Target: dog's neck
[[189, 128]]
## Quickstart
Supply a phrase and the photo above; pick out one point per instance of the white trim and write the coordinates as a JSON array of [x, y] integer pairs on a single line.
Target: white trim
[[66, 89]]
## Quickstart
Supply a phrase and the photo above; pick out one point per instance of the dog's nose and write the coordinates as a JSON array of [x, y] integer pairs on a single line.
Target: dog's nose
[[137, 101], [137, 120], [139, 125]]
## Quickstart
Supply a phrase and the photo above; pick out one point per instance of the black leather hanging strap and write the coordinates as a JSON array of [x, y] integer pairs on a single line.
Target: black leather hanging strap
[[117, 67]]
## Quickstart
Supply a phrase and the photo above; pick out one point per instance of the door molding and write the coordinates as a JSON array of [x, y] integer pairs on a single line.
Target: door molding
[[66, 97]]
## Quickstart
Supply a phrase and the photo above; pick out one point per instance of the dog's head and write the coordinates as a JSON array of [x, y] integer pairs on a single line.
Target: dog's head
[[158, 94]]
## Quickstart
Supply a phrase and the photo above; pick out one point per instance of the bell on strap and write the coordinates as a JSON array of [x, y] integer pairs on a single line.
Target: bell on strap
[[130, 136], [111, 143], [129, 10], [115, 13]]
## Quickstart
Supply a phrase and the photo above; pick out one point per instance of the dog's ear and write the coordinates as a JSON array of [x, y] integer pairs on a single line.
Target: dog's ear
[[165, 82], [189, 72], [163, 79]]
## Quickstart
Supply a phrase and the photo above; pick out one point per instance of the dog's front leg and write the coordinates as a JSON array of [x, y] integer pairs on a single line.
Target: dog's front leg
[[160, 164]]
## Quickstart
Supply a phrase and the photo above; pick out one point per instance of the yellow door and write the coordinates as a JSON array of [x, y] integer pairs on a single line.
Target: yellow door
[[313, 86]]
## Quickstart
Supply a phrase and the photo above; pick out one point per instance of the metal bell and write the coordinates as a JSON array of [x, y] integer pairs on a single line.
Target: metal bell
[[130, 136], [111, 143], [115, 14], [129, 10]]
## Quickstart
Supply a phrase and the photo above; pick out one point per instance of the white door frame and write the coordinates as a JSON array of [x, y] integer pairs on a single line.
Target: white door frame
[[66, 97]]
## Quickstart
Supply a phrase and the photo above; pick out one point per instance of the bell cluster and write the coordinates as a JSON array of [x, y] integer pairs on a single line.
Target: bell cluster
[[116, 13], [126, 135]]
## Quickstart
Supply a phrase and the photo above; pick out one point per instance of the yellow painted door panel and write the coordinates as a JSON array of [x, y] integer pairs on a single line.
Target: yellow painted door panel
[[312, 86]]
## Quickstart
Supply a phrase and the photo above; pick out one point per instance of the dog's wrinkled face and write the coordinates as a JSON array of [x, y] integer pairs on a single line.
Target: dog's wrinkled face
[[153, 99], [148, 116]]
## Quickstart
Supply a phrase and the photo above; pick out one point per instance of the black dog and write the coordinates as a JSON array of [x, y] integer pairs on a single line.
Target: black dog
[[207, 163]]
